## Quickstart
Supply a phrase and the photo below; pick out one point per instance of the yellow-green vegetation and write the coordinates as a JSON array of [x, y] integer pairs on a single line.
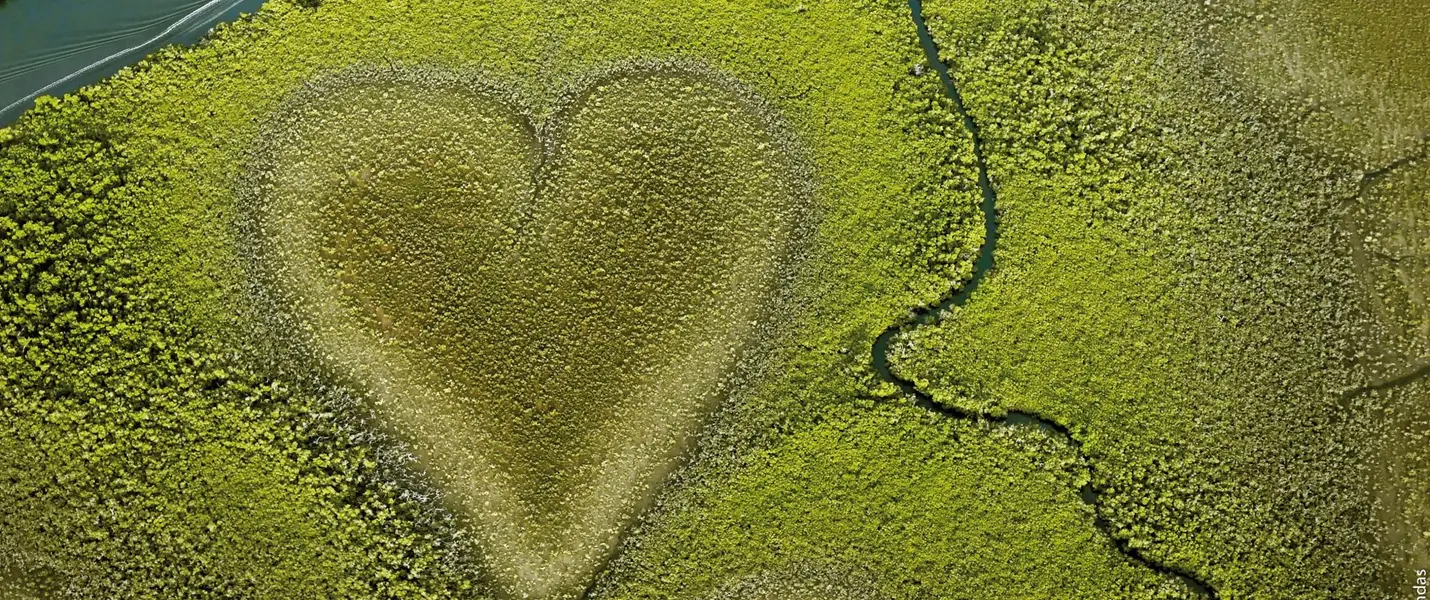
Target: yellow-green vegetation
[[199, 385], [136, 463], [442, 299], [17, 584], [815, 581], [544, 312], [1360, 68], [1176, 283], [1359, 74], [925, 507]]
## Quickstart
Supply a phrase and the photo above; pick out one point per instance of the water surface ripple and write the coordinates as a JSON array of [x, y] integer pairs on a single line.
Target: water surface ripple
[[53, 47]]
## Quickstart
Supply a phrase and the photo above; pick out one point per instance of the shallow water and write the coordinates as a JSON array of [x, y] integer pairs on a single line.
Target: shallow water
[[52, 47]]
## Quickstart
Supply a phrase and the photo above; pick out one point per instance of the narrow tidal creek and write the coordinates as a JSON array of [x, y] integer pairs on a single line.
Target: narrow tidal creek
[[960, 295]]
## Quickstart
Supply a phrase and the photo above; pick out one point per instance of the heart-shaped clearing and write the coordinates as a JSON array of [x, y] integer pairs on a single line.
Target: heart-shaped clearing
[[546, 314]]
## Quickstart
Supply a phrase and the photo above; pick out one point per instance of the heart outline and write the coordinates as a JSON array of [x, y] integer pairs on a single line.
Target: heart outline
[[289, 341]]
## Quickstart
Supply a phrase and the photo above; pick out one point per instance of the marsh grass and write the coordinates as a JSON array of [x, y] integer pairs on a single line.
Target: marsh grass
[[544, 310], [1388, 243], [1191, 262], [135, 327], [20, 584], [802, 581]]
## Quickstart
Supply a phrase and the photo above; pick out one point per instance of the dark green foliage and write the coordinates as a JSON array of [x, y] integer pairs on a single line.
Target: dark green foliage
[[136, 459], [211, 473], [493, 281], [1172, 284], [900, 502]]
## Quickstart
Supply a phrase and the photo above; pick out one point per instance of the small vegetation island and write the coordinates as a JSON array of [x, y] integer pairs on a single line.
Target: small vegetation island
[[735, 300]]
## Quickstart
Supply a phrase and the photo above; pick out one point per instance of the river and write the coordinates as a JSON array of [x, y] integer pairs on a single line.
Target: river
[[52, 47]]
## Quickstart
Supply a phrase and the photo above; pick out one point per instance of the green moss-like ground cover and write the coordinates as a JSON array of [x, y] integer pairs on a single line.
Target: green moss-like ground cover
[[221, 295], [1176, 283], [204, 469], [920, 505], [19, 584], [544, 313]]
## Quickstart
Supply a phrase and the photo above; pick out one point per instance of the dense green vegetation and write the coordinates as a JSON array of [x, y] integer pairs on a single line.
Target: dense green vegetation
[[1359, 69], [434, 299], [921, 505], [1173, 284], [545, 313], [138, 461], [135, 313]]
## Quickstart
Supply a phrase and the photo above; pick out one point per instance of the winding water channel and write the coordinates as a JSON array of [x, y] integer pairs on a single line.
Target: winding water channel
[[52, 47], [960, 295]]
